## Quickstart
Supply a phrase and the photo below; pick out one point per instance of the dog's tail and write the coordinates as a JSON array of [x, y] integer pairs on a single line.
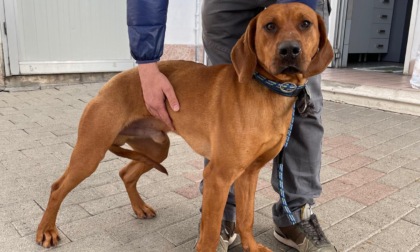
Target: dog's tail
[[119, 151]]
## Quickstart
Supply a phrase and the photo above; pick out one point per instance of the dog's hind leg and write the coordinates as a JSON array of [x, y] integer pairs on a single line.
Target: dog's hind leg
[[131, 173], [96, 134]]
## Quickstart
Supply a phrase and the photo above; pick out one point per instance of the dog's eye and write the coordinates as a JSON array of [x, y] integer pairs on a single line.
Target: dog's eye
[[270, 27], [305, 24]]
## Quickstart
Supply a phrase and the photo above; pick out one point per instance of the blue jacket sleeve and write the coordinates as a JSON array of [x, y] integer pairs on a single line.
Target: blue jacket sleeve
[[146, 21], [310, 3]]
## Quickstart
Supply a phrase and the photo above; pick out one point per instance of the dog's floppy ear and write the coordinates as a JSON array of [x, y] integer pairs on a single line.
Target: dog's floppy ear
[[325, 52], [243, 55]]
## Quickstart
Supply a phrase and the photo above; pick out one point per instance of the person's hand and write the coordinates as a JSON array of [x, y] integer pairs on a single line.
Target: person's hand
[[156, 88]]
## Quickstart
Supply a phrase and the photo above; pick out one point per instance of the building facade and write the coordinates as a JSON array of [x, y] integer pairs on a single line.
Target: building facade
[[72, 41]]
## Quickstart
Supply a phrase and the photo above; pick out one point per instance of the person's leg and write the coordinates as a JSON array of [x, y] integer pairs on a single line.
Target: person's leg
[[300, 172]]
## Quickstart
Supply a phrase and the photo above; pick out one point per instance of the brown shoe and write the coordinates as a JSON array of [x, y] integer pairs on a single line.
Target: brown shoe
[[305, 236]]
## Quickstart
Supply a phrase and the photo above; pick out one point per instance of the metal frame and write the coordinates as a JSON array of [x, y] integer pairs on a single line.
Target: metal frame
[[10, 39], [411, 37]]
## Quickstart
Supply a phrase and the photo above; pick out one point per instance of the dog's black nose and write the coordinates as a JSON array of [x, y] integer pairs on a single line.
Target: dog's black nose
[[289, 49]]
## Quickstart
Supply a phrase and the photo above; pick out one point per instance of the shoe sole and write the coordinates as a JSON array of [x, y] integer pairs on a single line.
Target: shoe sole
[[232, 239], [285, 241]]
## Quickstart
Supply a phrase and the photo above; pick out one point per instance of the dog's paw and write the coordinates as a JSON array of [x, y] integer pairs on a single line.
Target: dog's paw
[[262, 248], [47, 237], [144, 212]]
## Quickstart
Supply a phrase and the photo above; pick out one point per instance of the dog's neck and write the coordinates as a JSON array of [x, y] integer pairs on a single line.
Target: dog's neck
[[296, 79], [282, 88], [288, 89]]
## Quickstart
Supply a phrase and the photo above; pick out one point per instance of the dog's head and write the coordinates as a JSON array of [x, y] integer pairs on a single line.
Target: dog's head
[[287, 41]]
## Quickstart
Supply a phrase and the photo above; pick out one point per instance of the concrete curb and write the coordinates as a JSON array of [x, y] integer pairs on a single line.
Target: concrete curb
[[400, 101]]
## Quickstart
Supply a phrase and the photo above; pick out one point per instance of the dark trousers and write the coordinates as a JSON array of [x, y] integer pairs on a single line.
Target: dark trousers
[[224, 21]]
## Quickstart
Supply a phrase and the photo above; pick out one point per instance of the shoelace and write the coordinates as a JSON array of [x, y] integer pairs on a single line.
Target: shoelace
[[312, 228], [227, 229]]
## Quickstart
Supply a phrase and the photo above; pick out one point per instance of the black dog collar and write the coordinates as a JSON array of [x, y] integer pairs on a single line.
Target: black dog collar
[[286, 88]]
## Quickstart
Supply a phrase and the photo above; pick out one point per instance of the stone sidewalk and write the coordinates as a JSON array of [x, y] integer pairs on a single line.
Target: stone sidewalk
[[370, 176]]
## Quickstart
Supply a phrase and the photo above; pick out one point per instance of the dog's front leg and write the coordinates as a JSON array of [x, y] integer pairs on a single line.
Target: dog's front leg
[[245, 187], [216, 188]]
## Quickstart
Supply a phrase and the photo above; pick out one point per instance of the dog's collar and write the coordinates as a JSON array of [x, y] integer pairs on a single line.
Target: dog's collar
[[286, 88]]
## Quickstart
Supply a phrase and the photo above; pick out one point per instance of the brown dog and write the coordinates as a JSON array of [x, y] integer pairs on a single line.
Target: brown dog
[[226, 116]]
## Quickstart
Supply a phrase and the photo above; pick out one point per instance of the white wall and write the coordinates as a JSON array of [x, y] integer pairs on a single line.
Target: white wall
[[413, 39], [181, 24]]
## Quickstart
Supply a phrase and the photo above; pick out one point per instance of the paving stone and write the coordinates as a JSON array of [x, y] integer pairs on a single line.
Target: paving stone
[[74, 197], [111, 188], [29, 224], [265, 175], [326, 159], [401, 146], [19, 146], [269, 194], [79, 229], [261, 184], [413, 217], [408, 194], [388, 163], [381, 151], [186, 247], [349, 233], [13, 194], [194, 176], [7, 231], [410, 152], [383, 213], [400, 177], [401, 236], [38, 131], [98, 179], [96, 242], [153, 189], [183, 231], [176, 182], [416, 249], [332, 190], [61, 151], [104, 204], [344, 151], [153, 242], [360, 177], [189, 191], [337, 210], [352, 163], [370, 193], [133, 229], [371, 141], [390, 122], [111, 165], [368, 247], [27, 243], [267, 211], [363, 132], [261, 201], [165, 200], [339, 140], [413, 165], [19, 210]]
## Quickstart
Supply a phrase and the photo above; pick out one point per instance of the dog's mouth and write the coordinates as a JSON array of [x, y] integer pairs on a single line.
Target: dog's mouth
[[289, 70]]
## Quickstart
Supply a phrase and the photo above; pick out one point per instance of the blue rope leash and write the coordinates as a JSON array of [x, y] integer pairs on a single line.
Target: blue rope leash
[[281, 186]]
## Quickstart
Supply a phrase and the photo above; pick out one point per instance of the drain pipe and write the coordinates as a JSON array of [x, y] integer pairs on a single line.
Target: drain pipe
[[197, 30]]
